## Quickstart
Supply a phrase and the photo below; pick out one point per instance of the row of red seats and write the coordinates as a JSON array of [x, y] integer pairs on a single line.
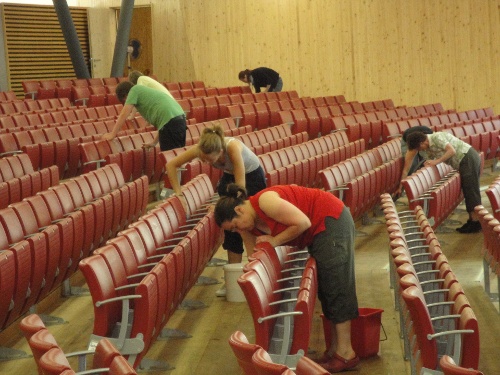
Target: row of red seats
[[18, 179], [7, 96], [59, 145], [52, 360], [62, 88], [199, 92], [25, 106], [396, 128], [56, 117], [255, 360], [214, 107], [483, 136], [153, 263], [46, 235], [176, 86], [313, 115], [281, 287], [370, 125], [359, 180], [491, 229], [305, 171], [320, 151], [435, 315], [280, 158]]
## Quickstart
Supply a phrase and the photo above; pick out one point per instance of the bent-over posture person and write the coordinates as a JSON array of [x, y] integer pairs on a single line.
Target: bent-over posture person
[[442, 147], [240, 166], [159, 109], [264, 77], [312, 218]]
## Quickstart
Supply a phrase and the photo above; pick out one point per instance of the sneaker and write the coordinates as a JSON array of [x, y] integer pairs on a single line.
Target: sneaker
[[221, 292], [470, 227]]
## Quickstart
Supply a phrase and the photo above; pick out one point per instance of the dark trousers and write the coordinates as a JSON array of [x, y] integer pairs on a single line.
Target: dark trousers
[[173, 133]]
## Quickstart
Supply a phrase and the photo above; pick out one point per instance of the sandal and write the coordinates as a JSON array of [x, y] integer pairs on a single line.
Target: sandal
[[338, 363]]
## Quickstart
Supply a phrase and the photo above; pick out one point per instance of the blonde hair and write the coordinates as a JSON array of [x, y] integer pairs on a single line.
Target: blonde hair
[[212, 140]]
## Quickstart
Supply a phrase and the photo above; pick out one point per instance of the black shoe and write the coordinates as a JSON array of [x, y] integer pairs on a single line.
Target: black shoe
[[464, 227], [470, 227]]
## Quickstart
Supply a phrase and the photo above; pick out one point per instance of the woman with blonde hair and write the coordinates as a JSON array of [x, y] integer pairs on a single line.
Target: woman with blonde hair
[[240, 166]]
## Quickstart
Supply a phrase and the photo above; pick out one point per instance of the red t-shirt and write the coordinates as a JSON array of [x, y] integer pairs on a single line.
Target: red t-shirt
[[314, 203]]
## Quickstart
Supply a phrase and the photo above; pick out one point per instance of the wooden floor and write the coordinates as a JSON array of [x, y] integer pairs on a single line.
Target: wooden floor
[[206, 350]]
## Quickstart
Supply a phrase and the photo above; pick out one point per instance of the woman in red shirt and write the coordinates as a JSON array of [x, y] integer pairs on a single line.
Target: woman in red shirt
[[312, 218]]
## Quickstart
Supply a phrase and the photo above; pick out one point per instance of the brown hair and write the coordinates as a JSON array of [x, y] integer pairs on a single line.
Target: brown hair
[[212, 140], [234, 196], [414, 139], [245, 74], [122, 90]]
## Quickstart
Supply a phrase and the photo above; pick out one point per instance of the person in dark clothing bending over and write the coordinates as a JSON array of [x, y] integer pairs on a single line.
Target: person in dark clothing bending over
[[267, 78]]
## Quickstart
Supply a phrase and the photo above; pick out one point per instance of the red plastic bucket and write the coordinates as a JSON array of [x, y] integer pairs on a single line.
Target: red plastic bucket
[[365, 332]]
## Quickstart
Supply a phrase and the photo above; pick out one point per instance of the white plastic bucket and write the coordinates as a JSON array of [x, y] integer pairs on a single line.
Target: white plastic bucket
[[233, 291]]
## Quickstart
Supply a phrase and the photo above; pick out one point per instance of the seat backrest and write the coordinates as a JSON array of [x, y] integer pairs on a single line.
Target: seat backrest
[[54, 362], [264, 365], [421, 319], [449, 367], [306, 366], [243, 351], [120, 366]]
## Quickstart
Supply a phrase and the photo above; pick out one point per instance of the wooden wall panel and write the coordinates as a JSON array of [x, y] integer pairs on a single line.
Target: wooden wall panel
[[413, 51]]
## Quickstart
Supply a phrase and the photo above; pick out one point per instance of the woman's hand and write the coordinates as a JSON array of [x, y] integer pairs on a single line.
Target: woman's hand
[[266, 238]]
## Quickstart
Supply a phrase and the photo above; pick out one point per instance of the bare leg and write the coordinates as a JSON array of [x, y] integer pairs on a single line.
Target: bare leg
[[341, 340], [234, 257]]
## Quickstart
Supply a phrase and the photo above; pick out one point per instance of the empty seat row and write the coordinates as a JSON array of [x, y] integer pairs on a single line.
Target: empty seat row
[[18, 179], [280, 287], [252, 359], [199, 92], [359, 180], [157, 260], [51, 359], [57, 117], [62, 88], [58, 145], [176, 86], [436, 317], [29, 105], [46, 235], [482, 135], [6, 96], [214, 107]]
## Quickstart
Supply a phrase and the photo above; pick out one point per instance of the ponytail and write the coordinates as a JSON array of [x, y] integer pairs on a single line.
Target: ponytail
[[212, 140], [234, 196]]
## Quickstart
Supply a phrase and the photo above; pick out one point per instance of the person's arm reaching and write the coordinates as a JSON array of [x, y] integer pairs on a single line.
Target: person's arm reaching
[[122, 117], [449, 152]]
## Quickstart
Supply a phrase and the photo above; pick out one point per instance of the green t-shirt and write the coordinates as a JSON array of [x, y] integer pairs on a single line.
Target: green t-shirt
[[155, 106]]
